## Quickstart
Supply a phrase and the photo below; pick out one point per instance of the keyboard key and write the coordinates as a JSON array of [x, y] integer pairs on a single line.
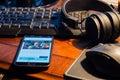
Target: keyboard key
[[6, 25], [25, 25], [39, 15], [46, 15], [12, 9], [52, 26], [32, 9], [2, 21], [19, 9], [8, 21], [15, 25], [54, 16], [44, 25], [36, 25], [2, 9]]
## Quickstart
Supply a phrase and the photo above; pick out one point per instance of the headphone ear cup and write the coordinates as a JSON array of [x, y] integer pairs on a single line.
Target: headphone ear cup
[[115, 22], [100, 27], [107, 27], [92, 28]]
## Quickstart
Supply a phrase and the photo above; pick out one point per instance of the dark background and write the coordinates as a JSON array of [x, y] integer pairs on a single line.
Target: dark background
[[25, 3]]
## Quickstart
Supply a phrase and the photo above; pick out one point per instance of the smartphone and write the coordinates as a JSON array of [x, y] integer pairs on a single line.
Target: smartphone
[[34, 51]]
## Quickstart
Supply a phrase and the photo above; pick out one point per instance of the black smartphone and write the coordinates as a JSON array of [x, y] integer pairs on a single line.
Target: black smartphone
[[34, 51]]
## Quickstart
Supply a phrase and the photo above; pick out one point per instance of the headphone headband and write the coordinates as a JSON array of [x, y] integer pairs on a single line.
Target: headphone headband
[[78, 5], [103, 26]]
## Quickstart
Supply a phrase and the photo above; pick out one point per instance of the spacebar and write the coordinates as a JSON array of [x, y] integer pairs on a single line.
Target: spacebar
[[38, 32]]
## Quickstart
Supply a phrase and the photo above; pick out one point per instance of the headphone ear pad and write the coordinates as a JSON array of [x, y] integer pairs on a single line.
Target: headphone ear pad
[[115, 22], [98, 27], [92, 28], [106, 25]]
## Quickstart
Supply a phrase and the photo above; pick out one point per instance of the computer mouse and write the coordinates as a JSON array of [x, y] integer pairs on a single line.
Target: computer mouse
[[105, 59]]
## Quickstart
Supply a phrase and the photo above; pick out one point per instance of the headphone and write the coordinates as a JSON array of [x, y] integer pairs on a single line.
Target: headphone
[[103, 26]]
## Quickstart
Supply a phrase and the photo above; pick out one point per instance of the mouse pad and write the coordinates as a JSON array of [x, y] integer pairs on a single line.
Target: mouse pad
[[83, 69]]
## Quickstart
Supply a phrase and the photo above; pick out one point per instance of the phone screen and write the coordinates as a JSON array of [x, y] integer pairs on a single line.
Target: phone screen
[[34, 51]]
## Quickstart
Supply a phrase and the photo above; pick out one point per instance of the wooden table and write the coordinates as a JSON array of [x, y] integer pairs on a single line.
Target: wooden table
[[64, 52]]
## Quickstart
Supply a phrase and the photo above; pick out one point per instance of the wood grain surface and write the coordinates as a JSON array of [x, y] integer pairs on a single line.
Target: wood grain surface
[[64, 52]]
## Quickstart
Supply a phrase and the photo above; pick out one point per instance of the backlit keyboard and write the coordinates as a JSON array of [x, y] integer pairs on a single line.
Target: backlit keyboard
[[19, 21], [29, 21]]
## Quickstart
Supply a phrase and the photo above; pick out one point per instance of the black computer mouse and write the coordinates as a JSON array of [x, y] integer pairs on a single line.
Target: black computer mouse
[[105, 58]]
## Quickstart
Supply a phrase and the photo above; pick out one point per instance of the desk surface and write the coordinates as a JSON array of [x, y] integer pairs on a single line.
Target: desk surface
[[64, 52]]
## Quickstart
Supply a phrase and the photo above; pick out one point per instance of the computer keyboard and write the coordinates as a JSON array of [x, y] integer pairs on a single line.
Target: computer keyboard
[[29, 21], [20, 21]]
